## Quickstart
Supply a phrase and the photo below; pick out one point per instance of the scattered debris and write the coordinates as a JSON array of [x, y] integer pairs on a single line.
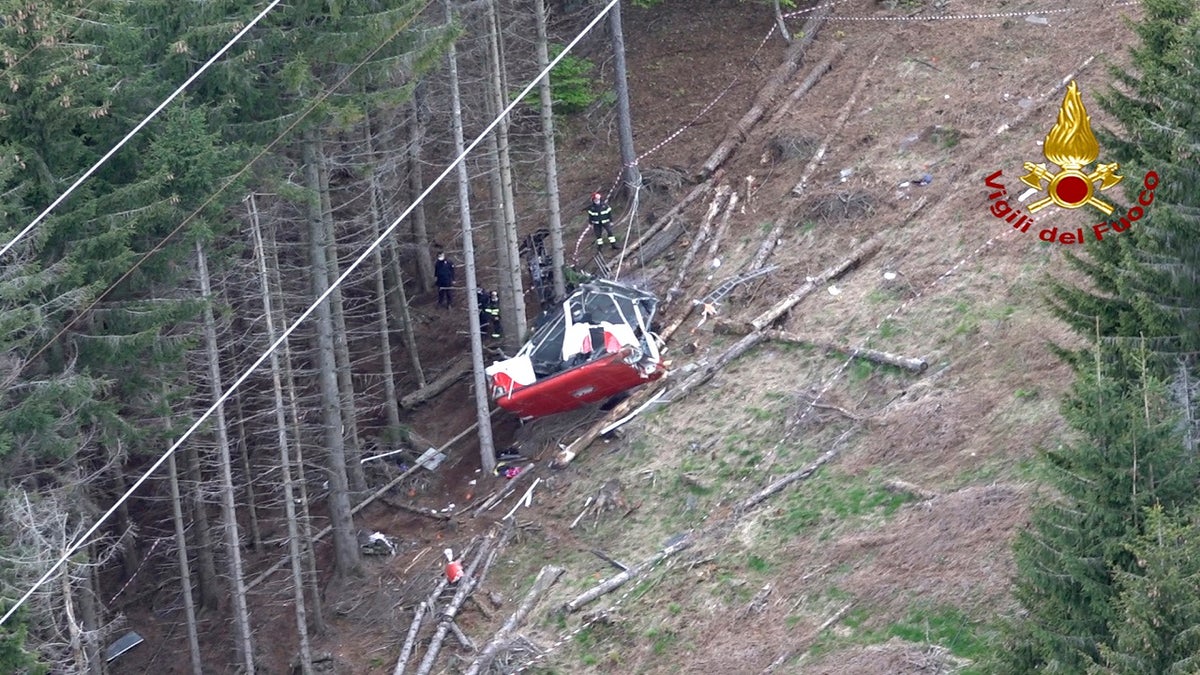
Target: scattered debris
[[375, 543], [123, 644]]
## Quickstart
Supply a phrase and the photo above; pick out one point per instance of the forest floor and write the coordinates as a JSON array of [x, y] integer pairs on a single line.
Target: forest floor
[[843, 572]]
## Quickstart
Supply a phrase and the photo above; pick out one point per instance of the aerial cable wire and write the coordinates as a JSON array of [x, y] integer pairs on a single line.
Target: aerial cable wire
[[387, 232], [140, 125]]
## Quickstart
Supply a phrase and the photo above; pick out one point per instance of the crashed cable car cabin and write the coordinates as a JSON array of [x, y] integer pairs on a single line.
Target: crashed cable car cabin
[[596, 346]]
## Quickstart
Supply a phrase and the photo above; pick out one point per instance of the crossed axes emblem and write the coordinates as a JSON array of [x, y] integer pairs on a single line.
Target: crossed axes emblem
[[1105, 173]]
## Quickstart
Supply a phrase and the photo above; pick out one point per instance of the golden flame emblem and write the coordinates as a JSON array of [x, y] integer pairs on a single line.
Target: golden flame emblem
[[1072, 146]]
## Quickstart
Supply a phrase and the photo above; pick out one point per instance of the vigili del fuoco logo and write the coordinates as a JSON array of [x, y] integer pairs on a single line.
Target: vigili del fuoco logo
[[1072, 146]]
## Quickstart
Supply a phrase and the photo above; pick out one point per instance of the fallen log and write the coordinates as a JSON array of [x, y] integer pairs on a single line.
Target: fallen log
[[705, 229], [457, 369], [766, 96], [579, 444], [767, 492], [465, 588], [856, 258], [462, 637], [789, 654], [809, 82], [669, 217], [411, 640], [898, 486], [705, 373], [843, 115], [909, 363], [545, 579], [414, 510], [616, 581], [664, 240]]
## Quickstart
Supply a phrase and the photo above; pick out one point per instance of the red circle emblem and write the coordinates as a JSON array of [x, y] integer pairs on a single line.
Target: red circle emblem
[[1072, 190]]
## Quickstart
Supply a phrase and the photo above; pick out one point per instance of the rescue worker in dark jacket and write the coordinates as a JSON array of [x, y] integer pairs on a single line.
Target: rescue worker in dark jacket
[[482, 297], [600, 216], [443, 273], [493, 313]]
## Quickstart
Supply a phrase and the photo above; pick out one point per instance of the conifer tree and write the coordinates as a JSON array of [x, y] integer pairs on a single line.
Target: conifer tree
[[1158, 612], [1128, 457], [1147, 279]]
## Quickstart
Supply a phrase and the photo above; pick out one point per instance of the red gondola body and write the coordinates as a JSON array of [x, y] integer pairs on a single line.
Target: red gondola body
[[592, 382]]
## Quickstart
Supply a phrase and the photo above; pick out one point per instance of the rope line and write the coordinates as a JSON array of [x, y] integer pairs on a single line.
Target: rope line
[[970, 17]]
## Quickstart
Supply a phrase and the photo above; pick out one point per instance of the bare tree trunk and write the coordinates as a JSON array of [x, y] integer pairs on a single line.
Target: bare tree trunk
[[251, 499], [129, 554], [345, 545], [185, 573], [787, 37], [341, 347], [557, 257], [90, 616], [504, 285], [390, 403], [285, 461], [630, 172], [206, 566], [487, 454], [399, 308], [241, 616], [514, 331], [416, 185], [310, 559]]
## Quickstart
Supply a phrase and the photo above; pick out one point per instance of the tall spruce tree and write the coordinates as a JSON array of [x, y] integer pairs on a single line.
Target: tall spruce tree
[[1128, 457], [1158, 611], [1147, 279]]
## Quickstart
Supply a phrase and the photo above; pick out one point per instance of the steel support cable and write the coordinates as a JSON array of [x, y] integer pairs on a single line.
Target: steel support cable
[[387, 232]]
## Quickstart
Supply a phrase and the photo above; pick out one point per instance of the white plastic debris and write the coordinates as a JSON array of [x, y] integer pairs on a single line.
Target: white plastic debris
[[889, 275], [846, 173], [834, 290], [472, 482], [716, 262]]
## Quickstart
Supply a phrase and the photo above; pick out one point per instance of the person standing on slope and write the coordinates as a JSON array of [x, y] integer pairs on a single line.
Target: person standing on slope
[[600, 216], [443, 273]]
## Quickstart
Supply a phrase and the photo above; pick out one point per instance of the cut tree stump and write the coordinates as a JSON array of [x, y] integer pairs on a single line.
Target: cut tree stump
[[766, 96], [545, 579]]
